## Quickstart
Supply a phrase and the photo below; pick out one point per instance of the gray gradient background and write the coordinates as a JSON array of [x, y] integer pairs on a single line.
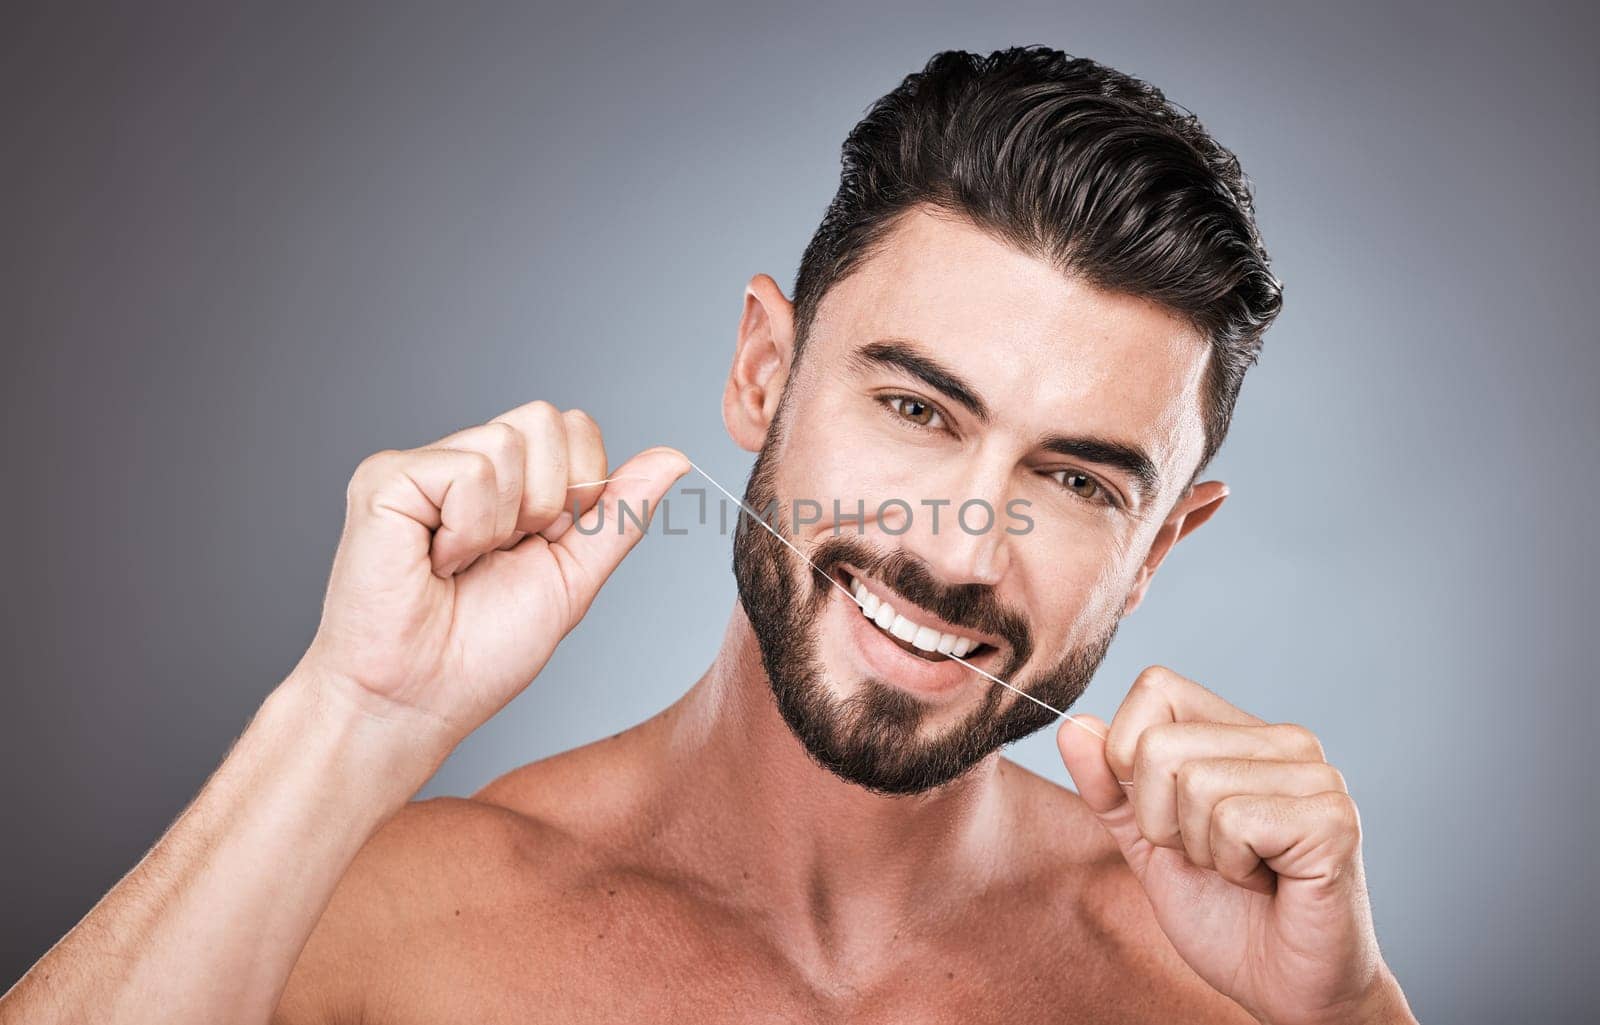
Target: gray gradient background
[[242, 250]]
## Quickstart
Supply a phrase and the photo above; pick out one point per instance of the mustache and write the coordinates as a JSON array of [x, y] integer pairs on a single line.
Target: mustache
[[974, 607]]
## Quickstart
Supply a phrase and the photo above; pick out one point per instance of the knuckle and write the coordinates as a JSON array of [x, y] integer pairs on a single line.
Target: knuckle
[[1153, 747], [1155, 678], [581, 420], [503, 437], [369, 471], [1191, 782], [479, 470], [1336, 780], [1303, 741], [375, 463], [1342, 809], [586, 448], [1229, 814]]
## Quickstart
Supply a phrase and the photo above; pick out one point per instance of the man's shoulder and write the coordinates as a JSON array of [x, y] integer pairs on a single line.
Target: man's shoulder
[[435, 861], [433, 866], [517, 831], [1083, 893], [1072, 867], [444, 840], [449, 875], [1053, 822]]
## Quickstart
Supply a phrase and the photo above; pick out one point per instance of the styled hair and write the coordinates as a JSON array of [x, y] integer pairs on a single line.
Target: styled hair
[[1070, 161]]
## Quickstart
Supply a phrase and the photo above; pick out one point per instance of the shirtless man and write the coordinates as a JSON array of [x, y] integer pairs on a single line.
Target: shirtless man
[[822, 829]]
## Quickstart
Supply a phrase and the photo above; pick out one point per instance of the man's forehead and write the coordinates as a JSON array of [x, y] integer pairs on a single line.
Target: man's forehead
[[1047, 351]]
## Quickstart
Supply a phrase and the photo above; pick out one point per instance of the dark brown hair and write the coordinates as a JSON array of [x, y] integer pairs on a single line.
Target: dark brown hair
[[1070, 161]]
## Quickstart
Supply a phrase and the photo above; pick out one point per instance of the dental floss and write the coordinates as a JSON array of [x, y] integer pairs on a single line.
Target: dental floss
[[847, 593]]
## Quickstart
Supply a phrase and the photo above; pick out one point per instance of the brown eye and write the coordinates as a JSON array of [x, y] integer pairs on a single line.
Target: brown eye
[[1080, 484], [915, 410]]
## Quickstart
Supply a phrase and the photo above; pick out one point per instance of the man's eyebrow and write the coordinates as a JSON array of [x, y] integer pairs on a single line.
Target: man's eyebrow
[[897, 355], [1130, 459]]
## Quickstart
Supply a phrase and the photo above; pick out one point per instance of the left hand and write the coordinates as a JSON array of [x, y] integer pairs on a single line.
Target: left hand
[[1247, 844]]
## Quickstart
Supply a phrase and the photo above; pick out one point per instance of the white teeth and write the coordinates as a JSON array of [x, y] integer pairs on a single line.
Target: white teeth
[[867, 600], [922, 637]]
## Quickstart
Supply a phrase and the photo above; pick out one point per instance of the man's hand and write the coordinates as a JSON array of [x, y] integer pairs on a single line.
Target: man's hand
[[460, 569], [1248, 845]]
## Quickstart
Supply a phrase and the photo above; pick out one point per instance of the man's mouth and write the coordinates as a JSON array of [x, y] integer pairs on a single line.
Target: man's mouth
[[905, 626]]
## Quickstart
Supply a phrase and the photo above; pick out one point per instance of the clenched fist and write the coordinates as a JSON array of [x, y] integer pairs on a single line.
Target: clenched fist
[[459, 570], [1248, 845]]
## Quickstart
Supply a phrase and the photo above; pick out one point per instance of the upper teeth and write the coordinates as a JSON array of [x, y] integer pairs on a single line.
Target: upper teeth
[[924, 637]]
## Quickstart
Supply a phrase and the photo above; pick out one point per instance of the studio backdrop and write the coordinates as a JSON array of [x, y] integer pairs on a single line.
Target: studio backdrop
[[244, 247]]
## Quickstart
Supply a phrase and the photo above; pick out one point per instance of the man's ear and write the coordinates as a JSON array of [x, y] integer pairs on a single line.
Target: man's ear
[[1199, 505], [761, 363]]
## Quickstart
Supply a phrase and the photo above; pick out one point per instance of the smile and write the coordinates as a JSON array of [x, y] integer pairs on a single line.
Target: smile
[[915, 633]]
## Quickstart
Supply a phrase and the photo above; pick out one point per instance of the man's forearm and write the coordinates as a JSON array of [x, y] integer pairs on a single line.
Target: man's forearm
[[208, 925]]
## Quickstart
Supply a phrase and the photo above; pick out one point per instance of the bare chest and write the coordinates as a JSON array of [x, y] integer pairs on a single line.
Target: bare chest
[[611, 954]]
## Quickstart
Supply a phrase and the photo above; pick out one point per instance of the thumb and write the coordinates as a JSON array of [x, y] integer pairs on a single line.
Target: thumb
[[589, 548], [1081, 741]]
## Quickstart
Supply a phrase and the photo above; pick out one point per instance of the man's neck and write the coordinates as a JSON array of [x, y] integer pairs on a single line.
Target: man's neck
[[834, 860]]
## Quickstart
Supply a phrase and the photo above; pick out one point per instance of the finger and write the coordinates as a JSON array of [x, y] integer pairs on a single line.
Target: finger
[[586, 472], [504, 447], [586, 461], [1084, 753], [1258, 841], [599, 539], [1159, 695], [1203, 783], [544, 476], [1162, 750], [396, 499]]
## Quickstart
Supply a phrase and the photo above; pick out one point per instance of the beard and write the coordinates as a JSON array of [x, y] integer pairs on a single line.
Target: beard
[[874, 737]]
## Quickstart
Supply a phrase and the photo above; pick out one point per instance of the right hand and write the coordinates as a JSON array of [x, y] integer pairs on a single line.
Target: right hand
[[459, 572]]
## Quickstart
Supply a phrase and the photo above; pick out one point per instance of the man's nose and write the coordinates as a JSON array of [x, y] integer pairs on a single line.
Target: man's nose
[[959, 527]]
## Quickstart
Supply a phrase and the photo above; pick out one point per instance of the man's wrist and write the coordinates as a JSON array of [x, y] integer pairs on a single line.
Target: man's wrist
[[370, 762], [1384, 1004]]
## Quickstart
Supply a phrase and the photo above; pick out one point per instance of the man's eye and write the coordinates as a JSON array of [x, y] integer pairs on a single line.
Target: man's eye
[[915, 410], [1080, 483]]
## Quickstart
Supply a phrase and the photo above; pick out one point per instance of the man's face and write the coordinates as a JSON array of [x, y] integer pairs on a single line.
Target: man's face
[[942, 401]]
